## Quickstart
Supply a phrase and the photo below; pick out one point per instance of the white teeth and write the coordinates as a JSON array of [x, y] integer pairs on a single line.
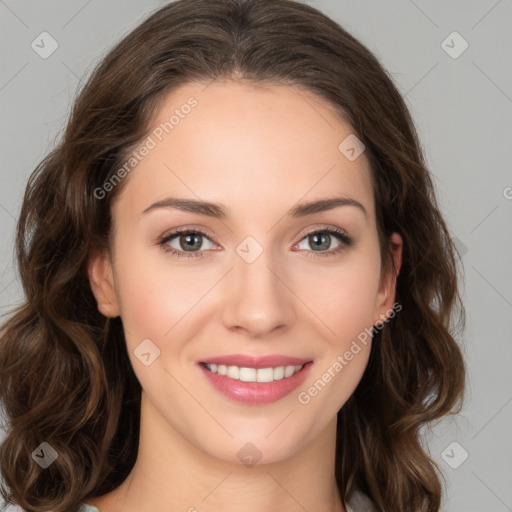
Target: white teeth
[[289, 370], [248, 374], [265, 375], [233, 372], [279, 373], [252, 374]]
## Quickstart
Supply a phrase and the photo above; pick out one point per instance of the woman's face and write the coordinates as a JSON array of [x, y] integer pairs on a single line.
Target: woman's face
[[253, 282]]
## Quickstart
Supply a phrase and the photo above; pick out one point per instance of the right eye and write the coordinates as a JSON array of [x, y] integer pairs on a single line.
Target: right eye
[[185, 238]]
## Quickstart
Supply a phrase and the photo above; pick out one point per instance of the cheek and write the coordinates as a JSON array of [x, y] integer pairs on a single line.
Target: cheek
[[165, 308], [153, 302], [346, 306], [156, 299], [343, 298]]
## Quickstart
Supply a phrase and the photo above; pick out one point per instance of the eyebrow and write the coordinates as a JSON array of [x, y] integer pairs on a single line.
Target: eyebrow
[[218, 211]]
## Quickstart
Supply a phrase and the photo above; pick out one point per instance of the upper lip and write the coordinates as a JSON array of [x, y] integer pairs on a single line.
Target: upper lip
[[246, 361]]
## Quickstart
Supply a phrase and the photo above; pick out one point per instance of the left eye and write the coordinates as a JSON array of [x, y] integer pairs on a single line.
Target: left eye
[[322, 240]]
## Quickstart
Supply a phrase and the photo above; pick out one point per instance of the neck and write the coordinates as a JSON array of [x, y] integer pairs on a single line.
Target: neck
[[173, 474]]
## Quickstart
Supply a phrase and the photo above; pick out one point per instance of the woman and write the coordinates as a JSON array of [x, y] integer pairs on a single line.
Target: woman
[[238, 276]]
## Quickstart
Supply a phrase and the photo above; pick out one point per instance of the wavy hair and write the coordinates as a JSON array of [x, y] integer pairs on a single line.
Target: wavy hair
[[65, 375]]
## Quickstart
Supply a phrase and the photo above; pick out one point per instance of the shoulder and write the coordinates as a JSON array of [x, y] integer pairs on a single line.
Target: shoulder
[[359, 502]]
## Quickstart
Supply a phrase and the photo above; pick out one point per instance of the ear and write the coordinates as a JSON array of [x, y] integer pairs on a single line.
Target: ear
[[101, 279], [387, 288]]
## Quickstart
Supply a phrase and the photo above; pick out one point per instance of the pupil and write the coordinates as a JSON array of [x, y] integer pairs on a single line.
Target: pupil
[[187, 241], [322, 245]]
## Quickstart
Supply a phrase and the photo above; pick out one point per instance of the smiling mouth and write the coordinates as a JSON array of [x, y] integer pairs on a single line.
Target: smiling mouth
[[255, 386], [247, 374]]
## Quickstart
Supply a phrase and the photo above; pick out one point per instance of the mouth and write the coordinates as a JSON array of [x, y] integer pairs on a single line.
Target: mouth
[[257, 382]]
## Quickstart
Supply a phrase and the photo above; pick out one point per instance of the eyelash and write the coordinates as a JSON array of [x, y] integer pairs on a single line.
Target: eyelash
[[345, 240]]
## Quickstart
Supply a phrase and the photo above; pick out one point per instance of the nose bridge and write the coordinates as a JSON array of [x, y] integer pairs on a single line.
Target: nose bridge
[[256, 298]]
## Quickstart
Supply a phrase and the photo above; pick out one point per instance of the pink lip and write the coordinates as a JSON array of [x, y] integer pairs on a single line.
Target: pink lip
[[256, 393], [241, 360]]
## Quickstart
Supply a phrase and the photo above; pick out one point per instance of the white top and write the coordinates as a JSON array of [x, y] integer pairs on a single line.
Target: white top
[[359, 503]]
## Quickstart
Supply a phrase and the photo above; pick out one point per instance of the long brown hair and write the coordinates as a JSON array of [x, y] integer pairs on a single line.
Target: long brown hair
[[65, 376]]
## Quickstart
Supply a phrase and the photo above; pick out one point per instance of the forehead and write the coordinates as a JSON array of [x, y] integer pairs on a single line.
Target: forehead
[[247, 146]]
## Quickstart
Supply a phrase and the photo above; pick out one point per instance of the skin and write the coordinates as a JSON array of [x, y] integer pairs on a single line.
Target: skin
[[257, 150]]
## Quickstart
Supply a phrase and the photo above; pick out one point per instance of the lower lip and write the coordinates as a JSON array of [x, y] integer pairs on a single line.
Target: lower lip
[[256, 392]]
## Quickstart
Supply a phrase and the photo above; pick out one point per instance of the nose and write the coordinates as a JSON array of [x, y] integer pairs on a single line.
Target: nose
[[257, 297]]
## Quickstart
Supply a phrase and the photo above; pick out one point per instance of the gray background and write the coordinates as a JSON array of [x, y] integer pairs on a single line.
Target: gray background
[[462, 108]]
